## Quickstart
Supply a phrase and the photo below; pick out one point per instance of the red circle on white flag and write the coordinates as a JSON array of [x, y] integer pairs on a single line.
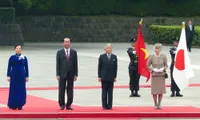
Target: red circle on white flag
[[180, 60]]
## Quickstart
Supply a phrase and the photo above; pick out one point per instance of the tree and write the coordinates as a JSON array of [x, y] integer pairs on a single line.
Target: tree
[[26, 3]]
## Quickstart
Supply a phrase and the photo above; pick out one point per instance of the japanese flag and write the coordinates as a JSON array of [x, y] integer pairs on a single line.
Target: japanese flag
[[182, 68]]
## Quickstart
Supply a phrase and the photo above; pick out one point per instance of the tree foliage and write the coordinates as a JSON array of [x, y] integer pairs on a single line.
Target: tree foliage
[[108, 7]]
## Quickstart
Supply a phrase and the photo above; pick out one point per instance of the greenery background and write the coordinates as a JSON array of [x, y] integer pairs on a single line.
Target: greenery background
[[166, 34], [105, 7], [136, 8]]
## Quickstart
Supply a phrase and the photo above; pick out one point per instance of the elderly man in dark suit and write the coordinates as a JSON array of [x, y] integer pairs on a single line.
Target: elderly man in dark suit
[[107, 75], [189, 34], [67, 72]]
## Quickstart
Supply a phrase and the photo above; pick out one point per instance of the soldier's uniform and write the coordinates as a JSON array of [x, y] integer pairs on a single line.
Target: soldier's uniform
[[133, 71], [174, 87]]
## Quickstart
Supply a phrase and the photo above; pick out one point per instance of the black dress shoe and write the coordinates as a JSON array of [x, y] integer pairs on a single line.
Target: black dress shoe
[[137, 95], [62, 107], [20, 108], [132, 95], [69, 108], [172, 95], [179, 95]]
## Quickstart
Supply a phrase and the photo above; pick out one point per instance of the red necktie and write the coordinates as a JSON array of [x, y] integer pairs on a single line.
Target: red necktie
[[67, 55]]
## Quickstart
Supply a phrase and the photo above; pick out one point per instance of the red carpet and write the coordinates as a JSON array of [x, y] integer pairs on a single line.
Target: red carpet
[[102, 119], [38, 107], [52, 111], [92, 87]]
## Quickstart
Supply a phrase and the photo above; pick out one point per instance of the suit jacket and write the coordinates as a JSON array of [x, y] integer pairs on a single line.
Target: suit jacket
[[189, 33], [63, 67], [107, 70]]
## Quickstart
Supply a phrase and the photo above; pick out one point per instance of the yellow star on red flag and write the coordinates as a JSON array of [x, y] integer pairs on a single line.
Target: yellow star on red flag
[[145, 51]]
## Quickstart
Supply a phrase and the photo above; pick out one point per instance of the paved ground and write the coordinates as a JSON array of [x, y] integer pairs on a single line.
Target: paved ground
[[42, 74], [42, 63]]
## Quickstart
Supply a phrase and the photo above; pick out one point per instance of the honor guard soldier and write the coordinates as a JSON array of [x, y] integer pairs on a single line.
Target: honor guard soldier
[[174, 88], [133, 70]]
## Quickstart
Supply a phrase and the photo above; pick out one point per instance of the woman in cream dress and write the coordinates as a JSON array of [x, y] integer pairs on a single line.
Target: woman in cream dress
[[157, 65]]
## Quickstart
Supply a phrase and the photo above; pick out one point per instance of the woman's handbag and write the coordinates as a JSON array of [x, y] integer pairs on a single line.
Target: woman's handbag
[[166, 75]]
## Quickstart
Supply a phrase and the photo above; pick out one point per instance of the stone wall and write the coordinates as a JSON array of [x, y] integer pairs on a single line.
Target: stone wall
[[89, 29], [10, 34]]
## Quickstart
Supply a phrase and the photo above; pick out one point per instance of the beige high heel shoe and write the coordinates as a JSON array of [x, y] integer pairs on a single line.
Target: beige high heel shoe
[[159, 106], [156, 106]]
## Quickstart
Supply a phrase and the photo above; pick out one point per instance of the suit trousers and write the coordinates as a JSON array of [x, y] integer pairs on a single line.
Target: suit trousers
[[107, 94], [134, 79], [189, 43], [66, 84], [174, 86]]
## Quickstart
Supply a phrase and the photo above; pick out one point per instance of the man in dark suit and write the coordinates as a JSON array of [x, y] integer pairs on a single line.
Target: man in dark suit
[[174, 87], [67, 72], [133, 70], [107, 75], [189, 35]]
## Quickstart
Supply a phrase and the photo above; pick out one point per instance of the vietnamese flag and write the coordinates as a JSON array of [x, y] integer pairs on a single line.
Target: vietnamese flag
[[182, 69], [142, 54]]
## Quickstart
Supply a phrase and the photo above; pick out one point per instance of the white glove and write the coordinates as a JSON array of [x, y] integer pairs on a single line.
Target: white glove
[[134, 52], [174, 52], [161, 70], [155, 69]]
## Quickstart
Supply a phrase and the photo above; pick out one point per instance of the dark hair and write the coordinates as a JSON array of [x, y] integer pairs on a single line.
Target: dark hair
[[17, 46], [67, 38]]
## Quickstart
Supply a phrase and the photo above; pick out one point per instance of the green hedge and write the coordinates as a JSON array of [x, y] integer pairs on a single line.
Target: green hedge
[[138, 8], [7, 15], [167, 34]]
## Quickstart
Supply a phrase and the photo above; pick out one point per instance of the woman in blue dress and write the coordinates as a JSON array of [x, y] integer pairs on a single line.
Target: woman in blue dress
[[17, 75]]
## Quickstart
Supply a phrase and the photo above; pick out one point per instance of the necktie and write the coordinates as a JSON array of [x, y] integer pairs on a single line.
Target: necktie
[[67, 55], [109, 57]]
